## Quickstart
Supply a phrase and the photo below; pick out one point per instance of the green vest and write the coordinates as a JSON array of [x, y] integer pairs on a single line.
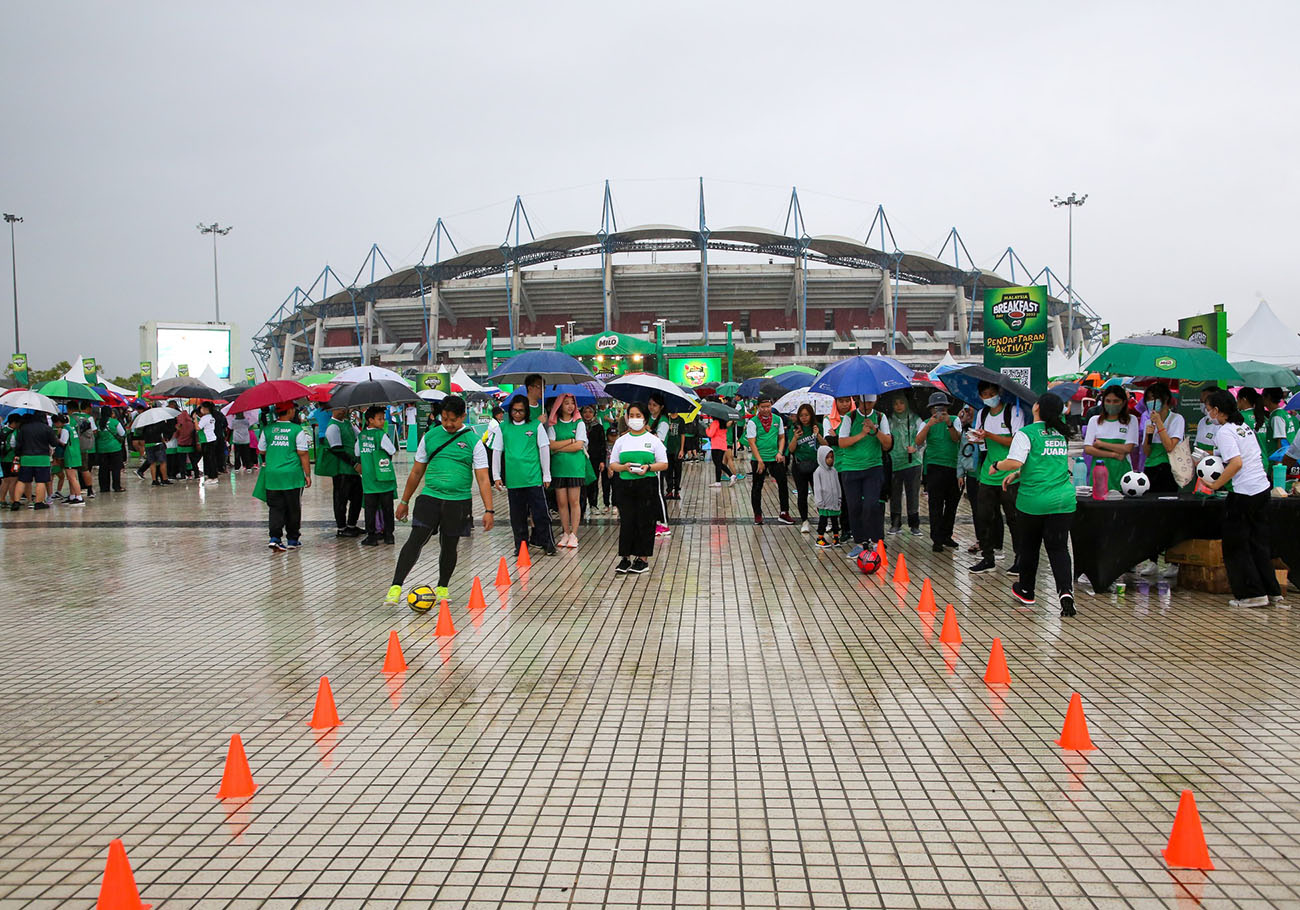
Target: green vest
[[7, 444], [861, 455], [377, 474], [327, 463], [940, 447], [520, 459], [996, 452], [1116, 468], [1046, 487], [767, 441], [638, 450], [450, 473], [806, 448], [904, 427], [568, 464], [1158, 455], [106, 438], [283, 469]]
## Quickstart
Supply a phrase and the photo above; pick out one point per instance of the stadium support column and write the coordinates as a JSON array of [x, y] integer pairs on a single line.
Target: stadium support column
[[431, 355], [607, 287], [704, 269], [286, 361], [316, 345], [887, 304], [963, 323], [369, 332], [516, 294]]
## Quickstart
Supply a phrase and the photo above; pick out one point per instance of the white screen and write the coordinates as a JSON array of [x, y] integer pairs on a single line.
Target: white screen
[[196, 348]]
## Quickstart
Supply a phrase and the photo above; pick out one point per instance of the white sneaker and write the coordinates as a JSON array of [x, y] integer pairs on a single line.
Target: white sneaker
[[1249, 602], [803, 528], [735, 479], [716, 483]]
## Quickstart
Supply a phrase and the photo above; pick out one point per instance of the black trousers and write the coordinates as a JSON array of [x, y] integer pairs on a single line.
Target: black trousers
[[347, 500], [528, 502], [245, 457], [211, 459], [941, 487], [379, 514], [993, 503], [430, 515], [286, 512], [110, 471], [1053, 533], [863, 509], [777, 472], [674, 480], [638, 510], [1246, 553], [595, 488], [1162, 478], [803, 471]]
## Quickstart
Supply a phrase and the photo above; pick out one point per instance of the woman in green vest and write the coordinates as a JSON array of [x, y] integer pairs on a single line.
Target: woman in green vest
[[804, 440], [525, 453], [1112, 436], [940, 438], [1039, 460], [905, 461], [567, 433], [108, 449], [375, 451], [286, 474]]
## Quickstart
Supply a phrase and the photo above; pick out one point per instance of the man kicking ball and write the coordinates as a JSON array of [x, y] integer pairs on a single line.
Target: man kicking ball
[[449, 459]]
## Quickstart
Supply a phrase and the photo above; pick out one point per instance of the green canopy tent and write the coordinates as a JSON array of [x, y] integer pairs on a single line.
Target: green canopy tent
[[609, 343], [794, 367]]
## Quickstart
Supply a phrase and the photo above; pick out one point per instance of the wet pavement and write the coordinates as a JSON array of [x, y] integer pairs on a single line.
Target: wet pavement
[[752, 724]]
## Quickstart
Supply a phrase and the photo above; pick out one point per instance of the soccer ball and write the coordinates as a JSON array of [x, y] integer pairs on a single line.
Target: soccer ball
[[1134, 483], [421, 599], [1210, 469], [869, 562]]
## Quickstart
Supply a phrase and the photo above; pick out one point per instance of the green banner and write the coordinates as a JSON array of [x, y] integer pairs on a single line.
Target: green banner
[[1015, 334], [440, 381], [1105, 334], [182, 369], [250, 375], [1211, 330], [695, 371], [18, 366], [146, 376], [88, 367]]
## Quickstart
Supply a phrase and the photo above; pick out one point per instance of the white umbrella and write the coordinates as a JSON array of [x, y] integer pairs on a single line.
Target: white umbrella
[[152, 416], [632, 387], [361, 374], [32, 401], [432, 394], [792, 401]]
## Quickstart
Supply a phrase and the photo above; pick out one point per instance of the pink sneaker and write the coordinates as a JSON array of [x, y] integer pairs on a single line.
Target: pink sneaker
[[662, 531]]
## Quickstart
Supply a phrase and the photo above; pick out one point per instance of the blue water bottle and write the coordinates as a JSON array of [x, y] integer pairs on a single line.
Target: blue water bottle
[[1080, 472]]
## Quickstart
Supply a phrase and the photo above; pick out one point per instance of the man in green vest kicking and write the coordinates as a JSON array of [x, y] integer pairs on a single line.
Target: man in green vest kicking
[[449, 460], [285, 445], [336, 459]]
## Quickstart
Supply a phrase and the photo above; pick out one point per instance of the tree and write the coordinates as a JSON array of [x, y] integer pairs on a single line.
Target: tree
[[36, 377], [128, 382], [745, 365]]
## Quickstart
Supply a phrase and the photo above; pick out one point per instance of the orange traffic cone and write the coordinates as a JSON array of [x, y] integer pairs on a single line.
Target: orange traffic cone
[[394, 660], [237, 781], [118, 891], [1187, 848], [503, 574], [927, 604], [523, 560], [997, 673], [1074, 735], [880, 551], [950, 634], [325, 715], [445, 625], [476, 601], [900, 571]]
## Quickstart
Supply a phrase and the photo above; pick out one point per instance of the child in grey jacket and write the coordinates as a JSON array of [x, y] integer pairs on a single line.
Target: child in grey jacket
[[826, 497]]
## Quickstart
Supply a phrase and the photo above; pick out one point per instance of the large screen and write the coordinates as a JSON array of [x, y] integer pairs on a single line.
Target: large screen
[[196, 348], [695, 371]]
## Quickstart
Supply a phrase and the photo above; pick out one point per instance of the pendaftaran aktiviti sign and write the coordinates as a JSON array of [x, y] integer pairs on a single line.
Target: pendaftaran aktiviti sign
[[1015, 334]]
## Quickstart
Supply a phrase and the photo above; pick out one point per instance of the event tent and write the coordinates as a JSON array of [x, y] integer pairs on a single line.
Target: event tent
[[78, 374], [461, 378], [1265, 338]]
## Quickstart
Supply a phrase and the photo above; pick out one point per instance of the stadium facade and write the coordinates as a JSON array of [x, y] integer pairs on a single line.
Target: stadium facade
[[802, 297]]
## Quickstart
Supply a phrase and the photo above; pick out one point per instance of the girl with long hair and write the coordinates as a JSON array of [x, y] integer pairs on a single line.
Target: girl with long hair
[[1112, 435], [569, 465]]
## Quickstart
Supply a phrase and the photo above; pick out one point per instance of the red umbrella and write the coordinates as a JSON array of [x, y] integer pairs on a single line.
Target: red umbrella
[[267, 394], [322, 392], [456, 388]]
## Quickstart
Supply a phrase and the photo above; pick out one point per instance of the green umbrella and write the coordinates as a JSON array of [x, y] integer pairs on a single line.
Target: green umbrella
[[316, 378], [64, 388], [1261, 375], [777, 371], [1165, 357], [727, 389]]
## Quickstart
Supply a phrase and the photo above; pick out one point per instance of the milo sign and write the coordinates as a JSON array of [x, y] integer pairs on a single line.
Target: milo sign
[[1015, 334], [606, 342]]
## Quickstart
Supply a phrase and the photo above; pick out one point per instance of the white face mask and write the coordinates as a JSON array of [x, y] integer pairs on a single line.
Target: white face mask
[[991, 402], [635, 424]]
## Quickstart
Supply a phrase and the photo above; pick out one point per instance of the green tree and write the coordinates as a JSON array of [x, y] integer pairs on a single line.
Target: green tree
[[36, 377], [745, 365], [131, 382]]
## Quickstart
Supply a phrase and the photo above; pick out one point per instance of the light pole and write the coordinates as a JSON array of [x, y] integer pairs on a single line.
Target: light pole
[[215, 230], [13, 258], [1071, 202]]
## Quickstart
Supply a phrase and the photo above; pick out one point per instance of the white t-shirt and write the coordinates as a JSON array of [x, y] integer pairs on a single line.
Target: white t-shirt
[[1112, 429], [208, 427], [1175, 426], [1004, 423], [1239, 441], [1020, 447], [642, 443], [1205, 430], [422, 456]]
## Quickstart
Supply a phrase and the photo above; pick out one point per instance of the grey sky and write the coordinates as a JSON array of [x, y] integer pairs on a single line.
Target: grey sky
[[317, 129]]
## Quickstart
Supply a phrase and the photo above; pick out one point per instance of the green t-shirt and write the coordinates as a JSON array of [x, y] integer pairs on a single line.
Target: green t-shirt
[[1046, 487], [996, 450], [568, 464], [767, 441], [904, 427], [106, 438], [863, 454], [520, 457], [940, 448], [283, 469], [377, 474], [805, 448], [450, 473], [676, 429]]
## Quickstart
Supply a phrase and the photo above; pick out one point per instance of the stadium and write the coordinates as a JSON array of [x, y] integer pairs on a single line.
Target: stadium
[[788, 296]]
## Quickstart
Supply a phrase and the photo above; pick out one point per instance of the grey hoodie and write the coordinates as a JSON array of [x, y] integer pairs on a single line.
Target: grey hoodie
[[826, 483]]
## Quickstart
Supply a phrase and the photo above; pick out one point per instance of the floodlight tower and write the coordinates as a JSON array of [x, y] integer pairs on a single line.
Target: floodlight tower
[[1071, 202], [216, 231]]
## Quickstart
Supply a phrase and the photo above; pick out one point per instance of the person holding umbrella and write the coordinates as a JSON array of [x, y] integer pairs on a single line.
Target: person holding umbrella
[[335, 459], [526, 453], [33, 442], [286, 474], [657, 425], [940, 436], [995, 425], [765, 436], [637, 456], [864, 440]]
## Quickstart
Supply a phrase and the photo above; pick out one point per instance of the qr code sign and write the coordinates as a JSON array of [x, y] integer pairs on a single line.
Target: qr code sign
[[1019, 374]]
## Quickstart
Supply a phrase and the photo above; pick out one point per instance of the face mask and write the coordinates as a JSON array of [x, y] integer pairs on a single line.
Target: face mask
[[1113, 409], [635, 424], [991, 402]]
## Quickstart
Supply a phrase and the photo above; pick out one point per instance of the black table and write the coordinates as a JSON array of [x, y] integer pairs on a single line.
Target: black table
[[1112, 536]]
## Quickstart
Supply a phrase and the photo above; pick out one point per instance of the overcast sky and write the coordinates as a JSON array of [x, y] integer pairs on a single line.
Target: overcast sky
[[318, 128]]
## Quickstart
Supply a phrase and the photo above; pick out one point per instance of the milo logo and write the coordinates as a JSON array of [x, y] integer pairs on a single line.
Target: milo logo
[[1199, 336], [430, 382], [606, 342], [1014, 309], [1166, 363]]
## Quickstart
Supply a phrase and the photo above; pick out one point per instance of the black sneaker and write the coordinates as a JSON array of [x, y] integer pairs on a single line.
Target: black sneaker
[[623, 565], [166, 483], [951, 544], [370, 542], [352, 531], [984, 565], [156, 483], [937, 548], [550, 551], [41, 505], [390, 541], [1021, 594], [1067, 604], [639, 566], [341, 532], [1013, 570]]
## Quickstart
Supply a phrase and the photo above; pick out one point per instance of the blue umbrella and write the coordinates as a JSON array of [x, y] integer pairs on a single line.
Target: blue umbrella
[[583, 393], [963, 383], [1293, 404], [794, 379], [866, 374], [552, 366], [749, 388]]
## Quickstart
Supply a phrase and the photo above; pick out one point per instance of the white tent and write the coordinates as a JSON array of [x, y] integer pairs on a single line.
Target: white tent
[[1265, 338], [78, 374], [461, 378], [210, 379], [1060, 363], [949, 362]]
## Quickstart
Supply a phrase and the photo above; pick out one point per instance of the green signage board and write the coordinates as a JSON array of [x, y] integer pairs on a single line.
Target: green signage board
[[440, 381], [1211, 330], [146, 376], [695, 371], [1015, 334], [250, 375], [88, 367], [182, 369], [18, 366]]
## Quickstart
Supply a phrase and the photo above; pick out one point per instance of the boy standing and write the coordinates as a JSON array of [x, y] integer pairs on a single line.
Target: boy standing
[[286, 475], [375, 452]]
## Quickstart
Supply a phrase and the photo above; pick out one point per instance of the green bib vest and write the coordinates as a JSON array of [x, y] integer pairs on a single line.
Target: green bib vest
[[863, 454], [283, 469], [767, 441], [568, 464], [106, 439], [377, 474], [996, 452], [450, 473], [520, 458], [1046, 487], [327, 463], [1113, 431], [940, 448]]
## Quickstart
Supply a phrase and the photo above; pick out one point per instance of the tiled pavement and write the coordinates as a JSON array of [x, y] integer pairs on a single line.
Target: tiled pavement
[[753, 724]]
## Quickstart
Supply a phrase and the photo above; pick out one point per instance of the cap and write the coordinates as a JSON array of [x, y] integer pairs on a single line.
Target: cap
[[937, 400]]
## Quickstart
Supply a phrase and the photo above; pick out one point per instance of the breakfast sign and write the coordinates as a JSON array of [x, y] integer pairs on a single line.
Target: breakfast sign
[[1015, 334]]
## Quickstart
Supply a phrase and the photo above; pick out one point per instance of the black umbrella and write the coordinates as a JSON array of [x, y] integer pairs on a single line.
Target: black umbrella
[[963, 382], [718, 410], [190, 389], [772, 389], [372, 391], [235, 391]]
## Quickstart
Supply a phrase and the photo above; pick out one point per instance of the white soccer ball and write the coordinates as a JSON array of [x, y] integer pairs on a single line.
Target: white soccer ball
[[1134, 483], [1210, 469]]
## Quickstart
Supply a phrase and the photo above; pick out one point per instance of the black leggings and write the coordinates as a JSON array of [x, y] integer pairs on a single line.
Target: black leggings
[[803, 472], [719, 456], [1053, 533], [674, 480], [445, 517]]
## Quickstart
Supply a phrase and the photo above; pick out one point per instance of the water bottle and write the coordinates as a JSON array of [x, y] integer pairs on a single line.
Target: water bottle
[[1100, 480], [1080, 472], [1279, 476]]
